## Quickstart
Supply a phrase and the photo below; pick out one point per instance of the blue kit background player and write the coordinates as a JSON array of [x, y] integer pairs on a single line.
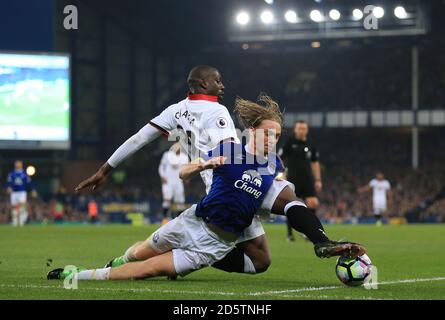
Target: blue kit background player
[[18, 184]]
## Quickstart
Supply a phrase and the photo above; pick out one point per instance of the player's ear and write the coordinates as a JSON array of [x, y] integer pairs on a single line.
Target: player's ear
[[203, 83]]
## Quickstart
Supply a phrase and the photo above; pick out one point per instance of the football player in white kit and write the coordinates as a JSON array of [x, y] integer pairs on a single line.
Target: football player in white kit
[[172, 186], [201, 123], [380, 188]]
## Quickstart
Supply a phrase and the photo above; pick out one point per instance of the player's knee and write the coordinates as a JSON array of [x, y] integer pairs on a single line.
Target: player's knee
[[263, 264]]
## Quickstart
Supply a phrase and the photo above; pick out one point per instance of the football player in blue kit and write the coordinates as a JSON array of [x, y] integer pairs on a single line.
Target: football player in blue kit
[[207, 232], [17, 185], [204, 123]]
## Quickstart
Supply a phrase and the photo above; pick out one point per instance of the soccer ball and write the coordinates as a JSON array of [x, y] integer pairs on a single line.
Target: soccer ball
[[353, 272]]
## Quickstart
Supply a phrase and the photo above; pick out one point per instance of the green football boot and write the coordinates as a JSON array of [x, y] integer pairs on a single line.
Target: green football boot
[[116, 262], [61, 273]]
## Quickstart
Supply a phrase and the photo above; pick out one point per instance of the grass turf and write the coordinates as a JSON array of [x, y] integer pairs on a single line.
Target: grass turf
[[411, 252], [47, 111]]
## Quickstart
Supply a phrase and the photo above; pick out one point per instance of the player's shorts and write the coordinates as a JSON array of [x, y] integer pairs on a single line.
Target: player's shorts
[[193, 244], [18, 197], [256, 228], [379, 207], [173, 192], [275, 189], [304, 188]]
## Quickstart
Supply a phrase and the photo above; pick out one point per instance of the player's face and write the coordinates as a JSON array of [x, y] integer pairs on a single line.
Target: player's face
[[18, 165], [266, 136], [301, 130], [380, 176], [215, 87]]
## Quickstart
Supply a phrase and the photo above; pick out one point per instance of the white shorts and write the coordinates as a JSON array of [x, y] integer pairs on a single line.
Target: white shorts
[[18, 197], [173, 192], [256, 228], [274, 191], [379, 207], [194, 246]]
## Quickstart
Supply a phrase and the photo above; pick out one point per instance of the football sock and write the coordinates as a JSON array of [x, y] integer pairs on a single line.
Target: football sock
[[15, 217], [94, 274], [303, 220], [128, 257], [23, 216], [235, 261], [248, 265]]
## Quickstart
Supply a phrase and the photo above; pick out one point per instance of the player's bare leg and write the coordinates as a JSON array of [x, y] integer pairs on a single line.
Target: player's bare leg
[[258, 251], [161, 265], [15, 215], [139, 251], [22, 214]]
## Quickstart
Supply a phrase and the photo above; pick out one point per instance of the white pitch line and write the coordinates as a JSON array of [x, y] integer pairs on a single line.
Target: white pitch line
[[340, 287], [281, 293], [125, 289]]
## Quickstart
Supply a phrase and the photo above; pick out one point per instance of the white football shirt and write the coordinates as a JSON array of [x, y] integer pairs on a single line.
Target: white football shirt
[[171, 164], [201, 122], [379, 189]]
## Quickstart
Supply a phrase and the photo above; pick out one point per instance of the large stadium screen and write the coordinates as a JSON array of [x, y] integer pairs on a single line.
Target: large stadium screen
[[34, 101]]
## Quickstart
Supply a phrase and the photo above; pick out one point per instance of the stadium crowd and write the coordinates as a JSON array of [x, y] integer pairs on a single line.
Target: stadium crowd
[[347, 164]]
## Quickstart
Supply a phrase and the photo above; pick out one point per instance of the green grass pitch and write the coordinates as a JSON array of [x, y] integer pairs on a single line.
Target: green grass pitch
[[409, 258]]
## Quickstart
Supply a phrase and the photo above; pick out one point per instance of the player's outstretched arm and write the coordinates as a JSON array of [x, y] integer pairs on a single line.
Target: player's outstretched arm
[[192, 169], [364, 189], [128, 148]]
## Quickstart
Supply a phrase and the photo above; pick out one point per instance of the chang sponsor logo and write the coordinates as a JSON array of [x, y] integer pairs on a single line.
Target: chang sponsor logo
[[250, 180]]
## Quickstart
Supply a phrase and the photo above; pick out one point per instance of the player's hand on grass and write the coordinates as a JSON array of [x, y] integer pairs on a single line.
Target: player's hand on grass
[[214, 163]]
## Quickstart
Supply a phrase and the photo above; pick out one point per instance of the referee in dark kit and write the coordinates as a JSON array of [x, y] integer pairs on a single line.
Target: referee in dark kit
[[303, 168]]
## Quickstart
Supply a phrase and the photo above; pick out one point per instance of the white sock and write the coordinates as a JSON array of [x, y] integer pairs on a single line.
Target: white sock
[[127, 256], [23, 216], [94, 274], [293, 203], [15, 217], [248, 265]]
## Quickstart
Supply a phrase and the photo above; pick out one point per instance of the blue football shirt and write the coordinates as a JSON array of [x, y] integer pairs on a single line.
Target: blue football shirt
[[238, 187]]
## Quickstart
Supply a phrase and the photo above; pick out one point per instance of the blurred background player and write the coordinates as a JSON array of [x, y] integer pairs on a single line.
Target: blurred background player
[[380, 188], [93, 211], [173, 196], [303, 168], [17, 185]]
